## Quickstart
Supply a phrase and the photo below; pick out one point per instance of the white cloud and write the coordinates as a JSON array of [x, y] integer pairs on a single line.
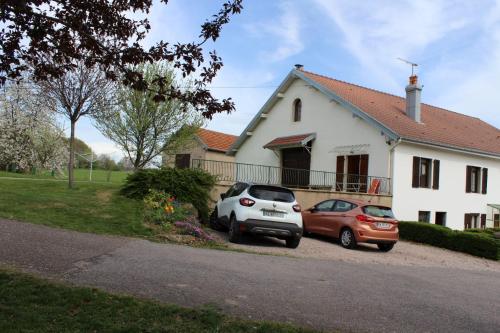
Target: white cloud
[[285, 33], [377, 32]]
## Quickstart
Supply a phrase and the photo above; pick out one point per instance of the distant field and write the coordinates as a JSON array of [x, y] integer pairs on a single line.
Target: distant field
[[80, 175]]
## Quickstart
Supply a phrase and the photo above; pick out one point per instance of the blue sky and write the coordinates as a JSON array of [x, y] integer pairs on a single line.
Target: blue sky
[[455, 43]]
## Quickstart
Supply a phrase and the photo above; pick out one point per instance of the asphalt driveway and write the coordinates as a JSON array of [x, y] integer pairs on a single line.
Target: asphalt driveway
[[325, 294]]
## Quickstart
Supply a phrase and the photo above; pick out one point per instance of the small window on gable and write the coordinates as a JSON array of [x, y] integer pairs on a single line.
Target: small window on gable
[[297, 110]]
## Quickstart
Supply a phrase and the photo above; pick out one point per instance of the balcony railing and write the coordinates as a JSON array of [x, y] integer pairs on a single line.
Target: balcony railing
[[300, 178]]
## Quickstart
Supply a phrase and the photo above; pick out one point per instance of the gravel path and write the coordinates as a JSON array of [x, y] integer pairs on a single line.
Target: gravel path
[[403, 254]]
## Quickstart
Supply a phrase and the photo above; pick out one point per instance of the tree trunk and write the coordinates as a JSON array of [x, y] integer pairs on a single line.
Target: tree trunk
[[71, 155]]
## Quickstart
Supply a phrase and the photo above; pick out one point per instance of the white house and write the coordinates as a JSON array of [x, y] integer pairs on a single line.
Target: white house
[[440, 166]]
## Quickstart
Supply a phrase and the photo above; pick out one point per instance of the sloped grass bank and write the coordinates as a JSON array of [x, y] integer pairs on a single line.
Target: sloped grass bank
[[91, 207], [480, 244], [29, 304]]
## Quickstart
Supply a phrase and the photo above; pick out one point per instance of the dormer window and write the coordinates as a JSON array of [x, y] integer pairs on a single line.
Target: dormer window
[[297, 110]]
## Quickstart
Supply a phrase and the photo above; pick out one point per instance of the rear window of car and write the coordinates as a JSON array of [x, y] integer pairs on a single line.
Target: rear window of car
[[378, 211], [271, 193]]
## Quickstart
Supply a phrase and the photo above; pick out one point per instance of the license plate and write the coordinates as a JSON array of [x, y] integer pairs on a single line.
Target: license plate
[[382, 225], [272, 213]]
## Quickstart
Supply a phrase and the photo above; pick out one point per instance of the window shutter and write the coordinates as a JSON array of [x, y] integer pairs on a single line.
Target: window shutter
[[467, 221], [467, 179], [340, 174], [483, 221], [435, 180], [416, 172], [485, 181]]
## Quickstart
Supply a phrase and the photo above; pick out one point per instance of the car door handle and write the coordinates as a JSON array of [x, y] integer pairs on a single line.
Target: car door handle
[[343, 215]]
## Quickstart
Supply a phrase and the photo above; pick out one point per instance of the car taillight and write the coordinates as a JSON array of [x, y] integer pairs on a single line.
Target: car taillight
[[296, 208], [247, 202], [364, 218]]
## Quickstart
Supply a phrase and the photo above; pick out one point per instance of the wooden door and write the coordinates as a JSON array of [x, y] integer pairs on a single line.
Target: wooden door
[[496, 220], [296, 163]]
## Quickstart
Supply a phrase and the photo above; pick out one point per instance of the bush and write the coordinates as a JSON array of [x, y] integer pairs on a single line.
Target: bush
[[476, 243], [186, 185]]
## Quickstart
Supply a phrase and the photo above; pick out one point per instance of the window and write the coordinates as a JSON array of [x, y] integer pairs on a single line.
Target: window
[[496, 220], [236, 189], [423, 175], [325, 206], [378, 211], [182, 161], [472, 220], [424, 216], [473, 179], [297, 110], [440, 218], [271, 193], [343, 206]]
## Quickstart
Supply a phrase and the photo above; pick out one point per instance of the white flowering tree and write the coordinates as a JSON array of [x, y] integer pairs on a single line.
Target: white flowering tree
[[30, 136]]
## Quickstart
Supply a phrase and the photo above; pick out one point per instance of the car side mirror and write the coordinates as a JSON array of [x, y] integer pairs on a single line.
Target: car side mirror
[[223, 196], [313, 209]]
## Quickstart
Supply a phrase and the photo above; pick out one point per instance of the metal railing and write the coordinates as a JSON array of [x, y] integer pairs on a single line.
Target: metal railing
[[301, 178]]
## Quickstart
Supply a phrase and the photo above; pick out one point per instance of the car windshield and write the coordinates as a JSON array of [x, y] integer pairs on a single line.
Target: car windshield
[[271, 193], [378, 211]]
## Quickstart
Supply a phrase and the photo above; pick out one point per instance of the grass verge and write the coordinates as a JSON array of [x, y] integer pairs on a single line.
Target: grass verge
[[29, 304]]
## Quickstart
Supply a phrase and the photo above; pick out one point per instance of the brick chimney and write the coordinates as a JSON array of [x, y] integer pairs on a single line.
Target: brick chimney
[[413, 92]]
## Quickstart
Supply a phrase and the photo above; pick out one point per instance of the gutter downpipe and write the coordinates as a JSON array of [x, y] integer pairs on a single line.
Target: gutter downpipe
[[391, 164]]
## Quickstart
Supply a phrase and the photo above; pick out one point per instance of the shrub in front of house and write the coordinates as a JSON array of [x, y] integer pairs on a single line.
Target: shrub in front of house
[[186, 185], [479, 244]]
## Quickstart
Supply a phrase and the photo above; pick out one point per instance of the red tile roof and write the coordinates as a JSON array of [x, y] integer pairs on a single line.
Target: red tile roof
[[439, 126], [216, 140], [294, 140]]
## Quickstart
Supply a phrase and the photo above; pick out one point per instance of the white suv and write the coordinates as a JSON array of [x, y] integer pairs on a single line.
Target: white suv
[[261, 210]]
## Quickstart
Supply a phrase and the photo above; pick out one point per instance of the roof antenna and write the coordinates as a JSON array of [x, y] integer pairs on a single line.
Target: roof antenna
[[413, 65]]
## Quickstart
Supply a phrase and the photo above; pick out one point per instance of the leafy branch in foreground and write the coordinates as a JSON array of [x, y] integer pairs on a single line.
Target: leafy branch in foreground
[[55, 35]]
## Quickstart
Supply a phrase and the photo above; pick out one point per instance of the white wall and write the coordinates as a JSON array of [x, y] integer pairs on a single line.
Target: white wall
[[334, 126], [451, 196]]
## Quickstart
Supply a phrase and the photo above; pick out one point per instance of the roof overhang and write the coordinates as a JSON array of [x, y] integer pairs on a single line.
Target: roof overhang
[[292, 141], [458, 149], [278, 95], [496, 206]]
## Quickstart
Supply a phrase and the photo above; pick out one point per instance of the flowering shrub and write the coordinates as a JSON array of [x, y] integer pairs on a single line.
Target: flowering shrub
[[161, 208], [197, 231]]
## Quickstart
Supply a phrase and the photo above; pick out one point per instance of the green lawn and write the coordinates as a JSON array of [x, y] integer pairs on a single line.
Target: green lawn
[[91, 207], [81, 175], [29, 304]]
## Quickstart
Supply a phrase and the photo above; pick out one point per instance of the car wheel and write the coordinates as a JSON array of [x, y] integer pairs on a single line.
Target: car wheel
[[385, 247], [292, 242], [214, 220], [234, 230], [347, 239]]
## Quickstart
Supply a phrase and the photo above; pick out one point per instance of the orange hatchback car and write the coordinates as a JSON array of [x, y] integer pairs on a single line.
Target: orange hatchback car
[[353, 221]]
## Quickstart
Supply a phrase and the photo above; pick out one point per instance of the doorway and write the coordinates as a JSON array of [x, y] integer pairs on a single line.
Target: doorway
[[352, 173], [296, 163]]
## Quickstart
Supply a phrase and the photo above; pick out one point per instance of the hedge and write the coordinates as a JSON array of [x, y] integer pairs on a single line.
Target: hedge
[[476, 243], [186, 185]]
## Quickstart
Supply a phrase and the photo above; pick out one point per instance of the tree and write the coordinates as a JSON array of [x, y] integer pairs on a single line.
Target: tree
[[56, 35], [143, 127], [30, 136], [81, 92]]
